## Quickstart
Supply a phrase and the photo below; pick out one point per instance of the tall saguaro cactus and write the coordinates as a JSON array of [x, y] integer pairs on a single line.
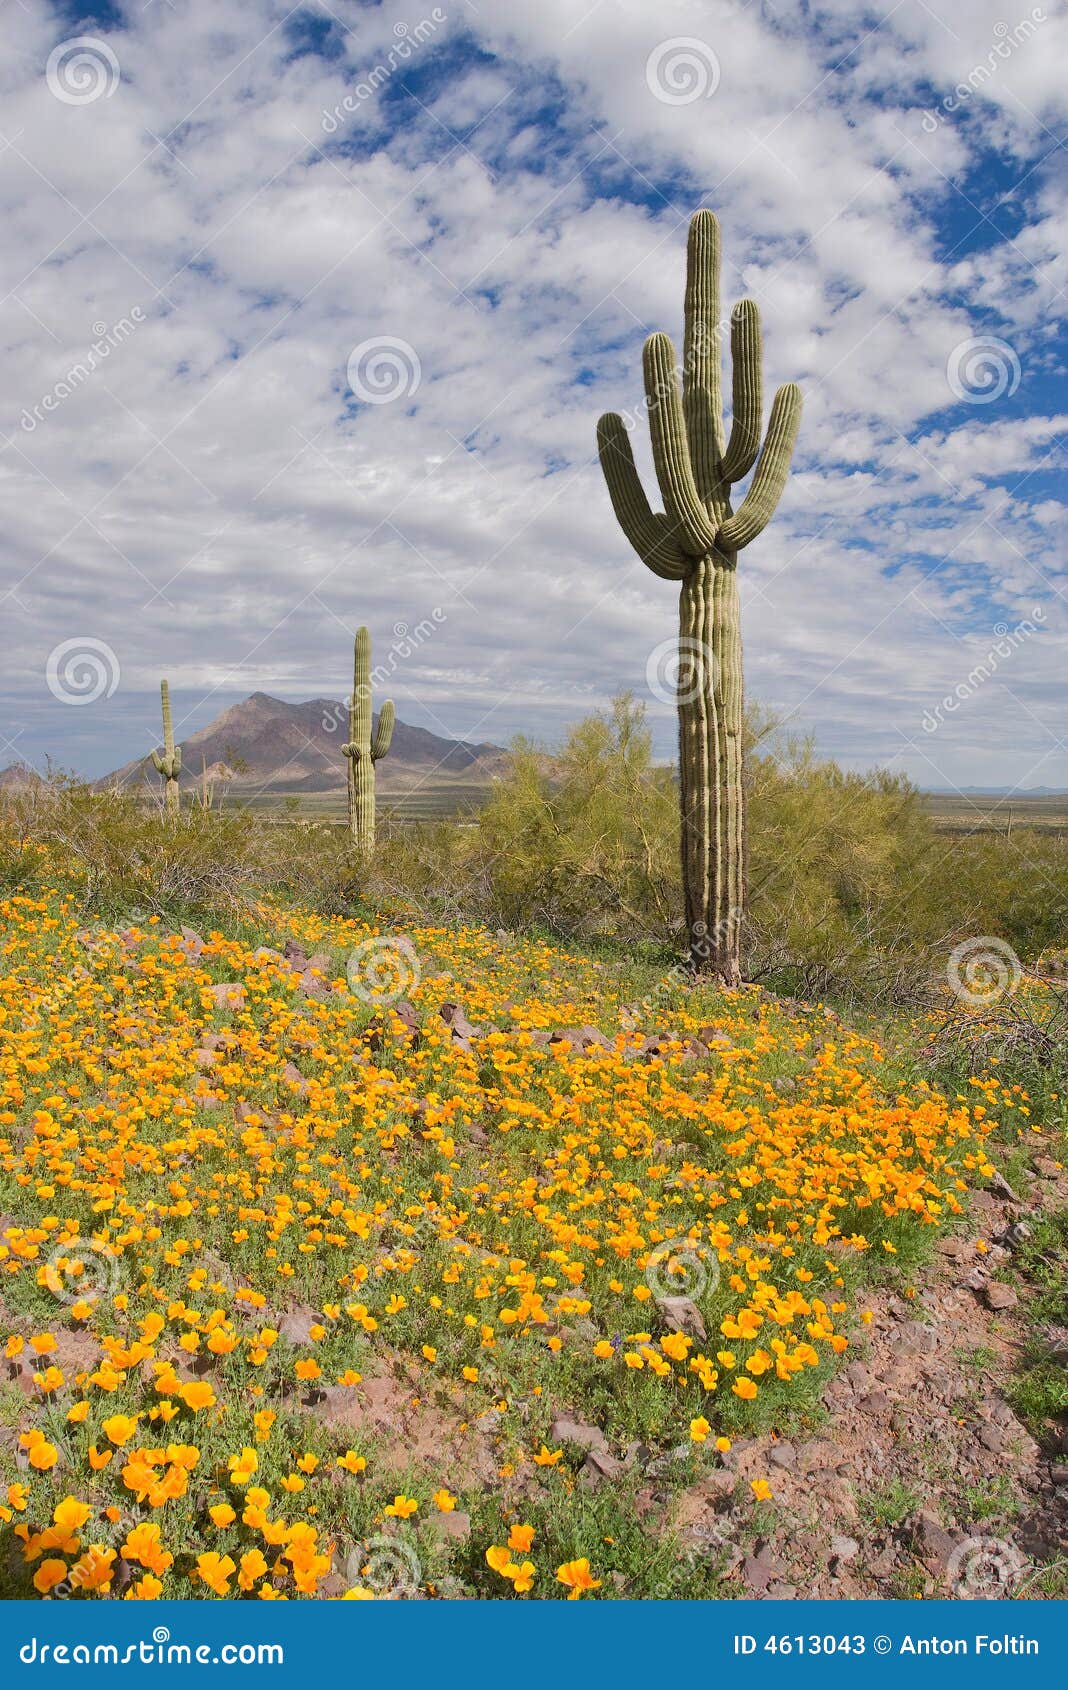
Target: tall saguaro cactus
[[695, 540], [169, 764], [365, 748]]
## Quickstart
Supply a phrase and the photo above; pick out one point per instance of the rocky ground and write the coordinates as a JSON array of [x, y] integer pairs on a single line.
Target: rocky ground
[[923, 1482]]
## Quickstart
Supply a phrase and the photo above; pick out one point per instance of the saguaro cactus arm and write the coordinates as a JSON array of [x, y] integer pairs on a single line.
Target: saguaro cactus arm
[[383, 734], [647, 531], [766, 488], [671, 450], [747, 392], [702, 381]]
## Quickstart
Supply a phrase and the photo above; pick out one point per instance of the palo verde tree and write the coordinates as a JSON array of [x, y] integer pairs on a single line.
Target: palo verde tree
[[168, 763], [365, 747], [695, 540]]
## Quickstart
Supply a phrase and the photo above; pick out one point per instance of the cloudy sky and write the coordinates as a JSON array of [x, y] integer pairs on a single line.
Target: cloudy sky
[[308, 314]]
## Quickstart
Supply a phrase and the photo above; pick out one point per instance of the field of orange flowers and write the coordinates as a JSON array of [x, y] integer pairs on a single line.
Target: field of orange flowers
[[345, 1263]]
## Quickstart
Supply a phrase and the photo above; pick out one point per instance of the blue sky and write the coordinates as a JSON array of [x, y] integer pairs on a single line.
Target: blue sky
[[308, 315]]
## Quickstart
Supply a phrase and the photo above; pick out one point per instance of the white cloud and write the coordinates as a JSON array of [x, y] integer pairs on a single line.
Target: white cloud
[[211, 502]]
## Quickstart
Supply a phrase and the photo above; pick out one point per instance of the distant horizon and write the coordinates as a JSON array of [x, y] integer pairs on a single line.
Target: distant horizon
[[120, 753]]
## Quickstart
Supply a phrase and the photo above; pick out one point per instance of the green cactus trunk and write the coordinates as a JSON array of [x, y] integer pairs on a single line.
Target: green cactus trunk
[[366, 745], [695, 541], [169, 764]]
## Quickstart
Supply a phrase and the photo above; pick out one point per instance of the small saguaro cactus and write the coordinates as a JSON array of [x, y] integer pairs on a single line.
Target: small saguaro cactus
[[695, 540], [169, 763], [365, 748]]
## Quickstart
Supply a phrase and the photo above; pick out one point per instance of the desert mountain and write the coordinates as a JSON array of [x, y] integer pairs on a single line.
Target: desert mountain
[[277, 747]]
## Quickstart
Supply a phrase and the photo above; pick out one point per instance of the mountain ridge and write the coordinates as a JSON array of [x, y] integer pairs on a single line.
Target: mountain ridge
[[266, 744]]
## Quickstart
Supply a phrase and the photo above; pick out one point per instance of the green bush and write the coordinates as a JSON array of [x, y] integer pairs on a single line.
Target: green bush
[[854, 894]]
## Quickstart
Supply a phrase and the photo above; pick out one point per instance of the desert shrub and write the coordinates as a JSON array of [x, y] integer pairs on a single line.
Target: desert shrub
[[855, 895]]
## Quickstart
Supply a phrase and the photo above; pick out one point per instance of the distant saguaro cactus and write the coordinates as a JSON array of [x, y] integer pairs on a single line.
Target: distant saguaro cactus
[[695, 540], [169, 764], [365, 748]]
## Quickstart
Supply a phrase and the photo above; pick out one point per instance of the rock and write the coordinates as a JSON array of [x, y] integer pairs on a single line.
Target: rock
[[455, 1524], [999, 1296], [681, 1314], [294, 1079], [844, 1548], [761, 1570], [875, 1403], [858, 1376], [783, 1455], [564, 1430], [295, 955], [915, 1338], [714, 1038], [297, 1323], [991, 1439], [1056, 1341], [193, 940], [598, 1466], [931, 1540], [312, 985], [718, 1485], [1059, 1473], [582, 1039], [455, 1019], [228, 994], [952, 1247], [1045, 1166], [780, 1592], [205, 1058], [1000, 1184], [837, 1396]]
